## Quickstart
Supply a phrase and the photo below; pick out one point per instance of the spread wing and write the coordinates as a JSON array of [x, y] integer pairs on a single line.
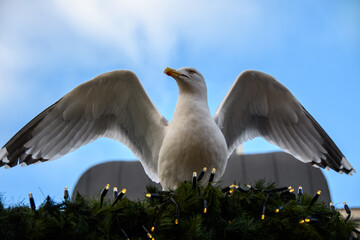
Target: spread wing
[[112, 105], [257, 105]]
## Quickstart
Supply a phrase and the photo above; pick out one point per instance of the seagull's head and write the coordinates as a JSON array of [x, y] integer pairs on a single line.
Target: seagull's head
[[189, 80]]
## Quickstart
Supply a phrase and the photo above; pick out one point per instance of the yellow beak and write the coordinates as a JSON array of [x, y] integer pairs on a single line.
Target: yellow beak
[[171, 72]]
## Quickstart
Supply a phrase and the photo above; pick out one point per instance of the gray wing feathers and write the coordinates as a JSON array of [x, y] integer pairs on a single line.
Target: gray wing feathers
[[257, 105], [112, 105]]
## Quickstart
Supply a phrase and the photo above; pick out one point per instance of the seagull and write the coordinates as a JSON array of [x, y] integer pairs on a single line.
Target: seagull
[[115, 105]]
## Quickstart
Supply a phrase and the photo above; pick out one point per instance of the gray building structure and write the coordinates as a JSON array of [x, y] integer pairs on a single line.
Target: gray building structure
[[278, 167]]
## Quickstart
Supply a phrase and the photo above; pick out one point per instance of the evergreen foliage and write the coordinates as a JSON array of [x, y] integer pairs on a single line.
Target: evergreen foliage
[[235, 214]]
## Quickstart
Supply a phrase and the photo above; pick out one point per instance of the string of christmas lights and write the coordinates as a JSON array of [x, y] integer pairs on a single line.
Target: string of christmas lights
[[148, 234], [264, 207], [332, 207], [166, 197], [125, 235], [32, 202], [177, 211], [115, 192], [194, 180], [153, 195], [229, 189], [103, 194], [202, 174], [277, 210], [66, 194], [155, 219], [308, 219], [348, 211], [316, 197], [212, 175], [300, 193], [119, 196], [205, 206]]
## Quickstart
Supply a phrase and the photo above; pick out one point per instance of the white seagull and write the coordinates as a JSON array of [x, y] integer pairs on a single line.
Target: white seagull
[[115, 105]]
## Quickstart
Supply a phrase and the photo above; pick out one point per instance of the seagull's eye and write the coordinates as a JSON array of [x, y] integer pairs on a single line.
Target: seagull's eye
[[191, 71]]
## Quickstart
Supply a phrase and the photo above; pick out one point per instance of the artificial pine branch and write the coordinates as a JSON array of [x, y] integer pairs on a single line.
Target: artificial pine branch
[[234, 214]]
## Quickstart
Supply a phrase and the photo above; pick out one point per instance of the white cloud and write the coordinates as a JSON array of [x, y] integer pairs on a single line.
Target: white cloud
[[149, 35], [153, 29]]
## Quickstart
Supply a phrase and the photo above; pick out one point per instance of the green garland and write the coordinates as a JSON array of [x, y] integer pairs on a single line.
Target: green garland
[[231, 213]]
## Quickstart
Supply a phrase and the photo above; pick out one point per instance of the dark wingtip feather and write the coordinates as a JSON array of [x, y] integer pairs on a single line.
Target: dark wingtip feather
[[334, 158], [14, 148]]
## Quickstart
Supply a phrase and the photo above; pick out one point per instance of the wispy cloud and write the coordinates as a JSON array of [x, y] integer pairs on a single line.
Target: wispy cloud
[[146, 35], [152, 29]]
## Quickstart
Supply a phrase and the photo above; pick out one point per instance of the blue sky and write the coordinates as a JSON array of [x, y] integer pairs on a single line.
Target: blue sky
[[49, 47]]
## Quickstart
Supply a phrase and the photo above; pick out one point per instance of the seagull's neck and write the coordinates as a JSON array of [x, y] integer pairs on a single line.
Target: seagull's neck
[[189, 104]]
